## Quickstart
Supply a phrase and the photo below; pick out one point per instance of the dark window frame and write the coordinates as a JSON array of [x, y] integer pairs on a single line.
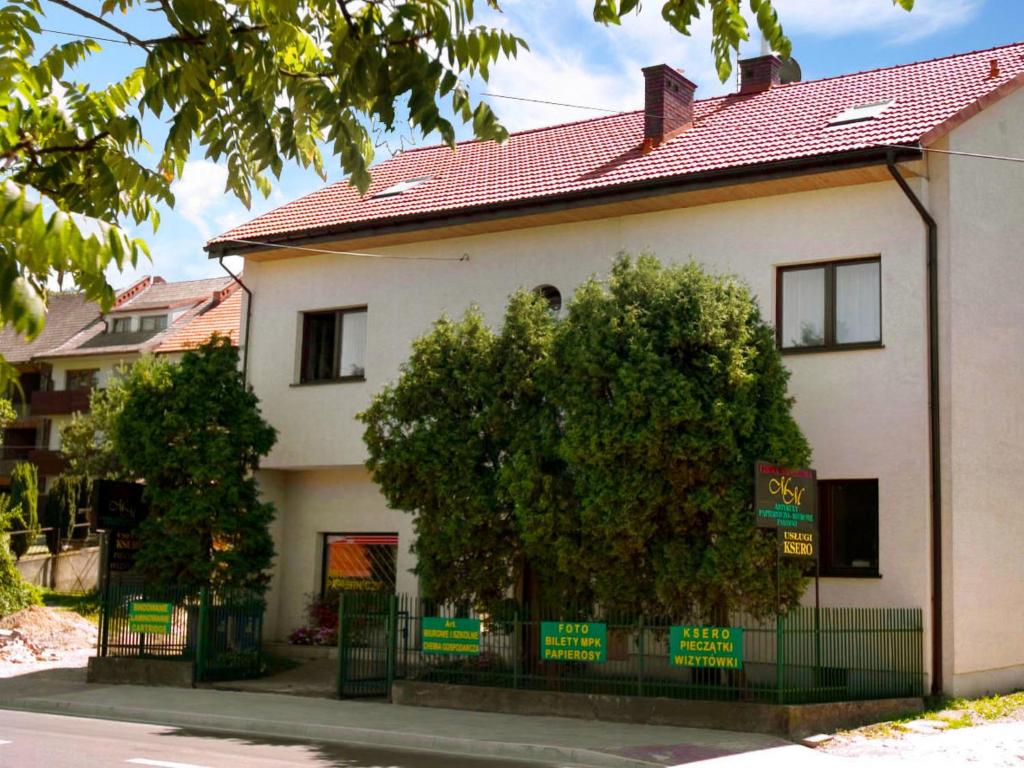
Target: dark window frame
[[94, 374], [830, 345], [339, 319], [159, 326], [826, 522], [115, 321]]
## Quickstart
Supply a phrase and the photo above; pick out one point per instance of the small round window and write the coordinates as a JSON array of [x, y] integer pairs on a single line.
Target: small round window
[[551, 295]]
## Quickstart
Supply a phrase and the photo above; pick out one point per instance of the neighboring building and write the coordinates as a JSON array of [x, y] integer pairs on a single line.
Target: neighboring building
[[80, 349], [28, 437], [901, 337]]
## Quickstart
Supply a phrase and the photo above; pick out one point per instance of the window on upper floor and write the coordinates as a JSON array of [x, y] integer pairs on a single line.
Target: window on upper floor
[[121, 325], [86, 378], [848, 516], [153, 323], [333, 345], [833, 305]]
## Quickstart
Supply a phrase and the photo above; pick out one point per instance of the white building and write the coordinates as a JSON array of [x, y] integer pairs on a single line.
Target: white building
[[888, 255]]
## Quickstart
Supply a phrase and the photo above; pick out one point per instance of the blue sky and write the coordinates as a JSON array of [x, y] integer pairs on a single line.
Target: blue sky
[[574, 60]]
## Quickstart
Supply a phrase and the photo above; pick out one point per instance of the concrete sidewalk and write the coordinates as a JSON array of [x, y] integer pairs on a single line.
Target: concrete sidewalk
[[554, 740]]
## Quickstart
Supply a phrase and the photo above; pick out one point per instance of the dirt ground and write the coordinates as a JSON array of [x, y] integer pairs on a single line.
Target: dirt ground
[[934, 743], [40, 638]]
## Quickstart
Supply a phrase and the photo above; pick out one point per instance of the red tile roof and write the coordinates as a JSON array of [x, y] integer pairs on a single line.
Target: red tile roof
[[222, 319], [787, 122]]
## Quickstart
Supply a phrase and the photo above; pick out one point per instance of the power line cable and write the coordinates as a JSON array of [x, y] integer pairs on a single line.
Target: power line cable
[[83, 36]]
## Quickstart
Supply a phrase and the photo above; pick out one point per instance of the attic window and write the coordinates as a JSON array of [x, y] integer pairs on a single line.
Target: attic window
[[402, 186], [861, 113]]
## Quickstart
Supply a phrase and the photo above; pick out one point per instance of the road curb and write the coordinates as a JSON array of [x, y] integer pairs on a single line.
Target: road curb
[[336, 734]]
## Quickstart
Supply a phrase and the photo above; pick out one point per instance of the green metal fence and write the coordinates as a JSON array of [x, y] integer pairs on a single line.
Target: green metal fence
[[221, 631], [834, 654]]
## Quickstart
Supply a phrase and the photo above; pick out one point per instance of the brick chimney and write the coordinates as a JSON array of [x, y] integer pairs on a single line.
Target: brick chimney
[[760, 73], [668, 104]]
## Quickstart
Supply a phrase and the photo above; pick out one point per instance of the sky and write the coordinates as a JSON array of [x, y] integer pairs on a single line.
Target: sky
[[571, 59]]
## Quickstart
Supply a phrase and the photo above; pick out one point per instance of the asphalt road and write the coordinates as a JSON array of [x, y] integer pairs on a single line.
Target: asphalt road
[[28, 740]]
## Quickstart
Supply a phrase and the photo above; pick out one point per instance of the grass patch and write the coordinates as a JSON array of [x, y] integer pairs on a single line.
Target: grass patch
[[85, 604], [955, 713]]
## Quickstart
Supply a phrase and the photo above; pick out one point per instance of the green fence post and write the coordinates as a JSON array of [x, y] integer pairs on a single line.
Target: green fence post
[[342, 646], [392, 639], [203, 634], [780, 672], [640, 656], [517, 642]]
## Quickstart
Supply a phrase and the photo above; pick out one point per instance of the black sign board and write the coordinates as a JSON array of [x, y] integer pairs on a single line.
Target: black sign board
[[796, 544], [117, 506], [785, 498]]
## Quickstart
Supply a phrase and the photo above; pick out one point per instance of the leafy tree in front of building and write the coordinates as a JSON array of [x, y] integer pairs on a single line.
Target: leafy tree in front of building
[[193, 433], [24, 501], [607, 457], [15, 592], [67, 494]]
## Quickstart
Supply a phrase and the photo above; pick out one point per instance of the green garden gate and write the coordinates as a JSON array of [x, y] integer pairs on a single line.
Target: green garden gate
[[373, 638]]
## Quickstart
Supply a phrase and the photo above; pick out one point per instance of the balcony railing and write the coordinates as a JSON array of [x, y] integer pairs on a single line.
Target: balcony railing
[[60, 401], [47, 462]]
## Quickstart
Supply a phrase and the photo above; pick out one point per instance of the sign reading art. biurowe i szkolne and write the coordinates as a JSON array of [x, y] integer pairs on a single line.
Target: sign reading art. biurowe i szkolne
[[150, 618], [785, 498], [709, 647], [573, 641], [450, 636]]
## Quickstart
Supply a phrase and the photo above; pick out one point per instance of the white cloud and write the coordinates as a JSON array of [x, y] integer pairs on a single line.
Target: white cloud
[[853, 16], [602, 69], [199, 190]]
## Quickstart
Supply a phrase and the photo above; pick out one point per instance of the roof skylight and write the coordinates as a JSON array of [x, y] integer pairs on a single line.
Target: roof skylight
[[861, 113], [402, 186]]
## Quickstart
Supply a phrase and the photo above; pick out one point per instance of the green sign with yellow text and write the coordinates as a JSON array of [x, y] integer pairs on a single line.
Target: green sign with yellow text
[[150, 618], [573, 641], [711, 647], [451, 636]]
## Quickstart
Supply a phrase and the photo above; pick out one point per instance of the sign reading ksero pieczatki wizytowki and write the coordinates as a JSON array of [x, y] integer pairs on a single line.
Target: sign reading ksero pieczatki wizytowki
[[706, 647], [573, 641], [785, 498], [450, 636]]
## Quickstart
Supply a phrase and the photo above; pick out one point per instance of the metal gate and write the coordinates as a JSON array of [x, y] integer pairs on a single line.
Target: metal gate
[[367, 644]]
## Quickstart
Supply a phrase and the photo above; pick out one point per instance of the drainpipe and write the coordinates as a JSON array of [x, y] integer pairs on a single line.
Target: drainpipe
[[248, 319], [935, 469]]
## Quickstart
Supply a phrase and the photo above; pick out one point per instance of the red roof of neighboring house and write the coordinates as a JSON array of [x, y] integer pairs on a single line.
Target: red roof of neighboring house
[[786, 122], [222, 319]]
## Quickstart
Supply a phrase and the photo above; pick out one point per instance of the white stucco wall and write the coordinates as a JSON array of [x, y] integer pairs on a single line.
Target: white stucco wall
[[986, 309], [865, 412]]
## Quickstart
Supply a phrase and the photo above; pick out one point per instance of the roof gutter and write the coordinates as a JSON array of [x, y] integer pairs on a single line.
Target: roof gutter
[[248, 319], [722, 177], [935, 465]]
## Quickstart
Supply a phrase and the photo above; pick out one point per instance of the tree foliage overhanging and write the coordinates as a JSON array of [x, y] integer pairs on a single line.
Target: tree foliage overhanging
[[252, 85], [611, 452], [193, 432]]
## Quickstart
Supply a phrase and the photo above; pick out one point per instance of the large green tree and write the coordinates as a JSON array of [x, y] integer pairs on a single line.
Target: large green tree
[[87, 441], [194, 434], [608, 456], [252, 84]]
